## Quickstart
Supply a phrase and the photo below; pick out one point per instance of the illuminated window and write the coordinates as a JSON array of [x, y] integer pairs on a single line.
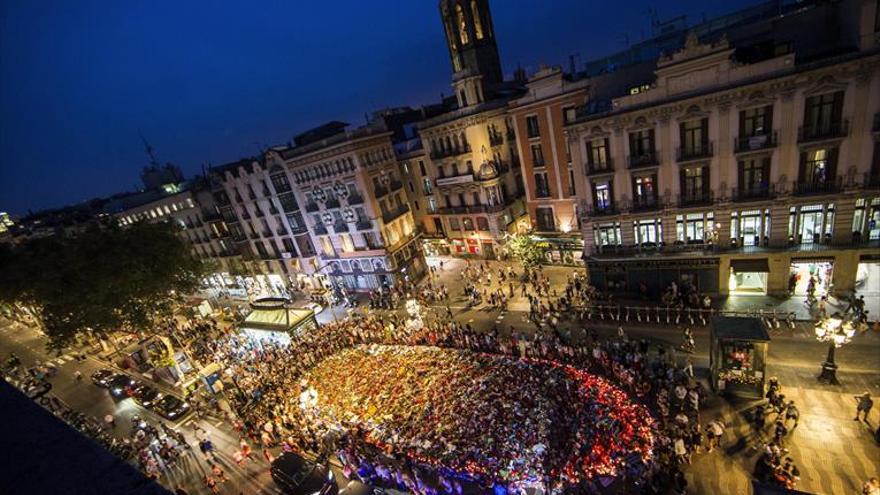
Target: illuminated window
[[462, 25], [478, 25]]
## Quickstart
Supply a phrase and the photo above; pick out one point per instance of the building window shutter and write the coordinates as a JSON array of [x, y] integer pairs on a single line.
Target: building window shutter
[[704, 135], [768, 119], [802, 168], [765, 174], [831, 176], [653, 147], [682, 181], [741, 180], [837, 108], [704, 175]]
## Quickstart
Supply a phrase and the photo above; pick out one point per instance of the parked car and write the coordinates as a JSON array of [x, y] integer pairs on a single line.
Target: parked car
[[119, 384], [145, 395], [171, 407], [38, 389], [298, 476], [102, 376]]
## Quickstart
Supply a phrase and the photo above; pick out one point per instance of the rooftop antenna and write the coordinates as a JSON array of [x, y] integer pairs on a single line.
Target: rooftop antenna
[[148, 148], [571, 64]]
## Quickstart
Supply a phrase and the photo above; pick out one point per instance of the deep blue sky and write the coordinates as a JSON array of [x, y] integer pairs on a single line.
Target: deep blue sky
[[212, 81]]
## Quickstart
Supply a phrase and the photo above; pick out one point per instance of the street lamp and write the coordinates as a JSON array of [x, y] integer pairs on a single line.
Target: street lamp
[[837, 332]]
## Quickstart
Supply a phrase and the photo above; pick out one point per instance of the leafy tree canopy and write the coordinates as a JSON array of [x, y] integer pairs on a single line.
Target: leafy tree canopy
[[522, 248], [102, 279]]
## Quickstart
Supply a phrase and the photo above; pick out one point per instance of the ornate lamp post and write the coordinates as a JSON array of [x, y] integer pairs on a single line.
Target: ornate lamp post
[[837, 332]]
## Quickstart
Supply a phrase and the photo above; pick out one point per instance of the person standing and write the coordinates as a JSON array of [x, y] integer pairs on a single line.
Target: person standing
[[864, 405]]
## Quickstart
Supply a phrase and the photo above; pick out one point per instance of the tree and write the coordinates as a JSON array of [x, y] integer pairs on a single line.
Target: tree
[[522, 248], [103, 279]]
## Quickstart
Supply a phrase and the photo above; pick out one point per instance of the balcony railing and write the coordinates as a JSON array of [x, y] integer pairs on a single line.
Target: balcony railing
[[755, 193], [806, 188], [831, 130], [697, 152], [596, 211], [395, 185], [648, 159], [542, 193], [647, 203], [311, 207], [696, 199], [605, 167], [446, 153], [395, 213], [744, 144], [355, 199], [467, 209]]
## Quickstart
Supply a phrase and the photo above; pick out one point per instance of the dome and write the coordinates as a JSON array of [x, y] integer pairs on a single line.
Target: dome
[[487, 171]]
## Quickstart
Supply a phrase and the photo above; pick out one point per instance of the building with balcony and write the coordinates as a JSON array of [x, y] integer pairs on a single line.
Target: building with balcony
[[539, 117], [472, 167], [748, 159]]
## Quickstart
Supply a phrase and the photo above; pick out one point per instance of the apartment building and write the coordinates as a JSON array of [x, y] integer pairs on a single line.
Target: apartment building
[[749, 162], [538, 118], [326, 212]]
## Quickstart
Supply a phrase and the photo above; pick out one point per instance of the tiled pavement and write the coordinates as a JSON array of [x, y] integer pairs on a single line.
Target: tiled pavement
[[835, 454]]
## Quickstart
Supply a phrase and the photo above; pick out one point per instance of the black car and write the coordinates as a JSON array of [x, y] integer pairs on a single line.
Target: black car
[[171, 407], [297, 476], [118, 385], [145, 395], [102, 376]]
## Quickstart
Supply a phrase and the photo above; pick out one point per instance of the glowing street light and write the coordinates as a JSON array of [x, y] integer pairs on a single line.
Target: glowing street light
[[837, 332]]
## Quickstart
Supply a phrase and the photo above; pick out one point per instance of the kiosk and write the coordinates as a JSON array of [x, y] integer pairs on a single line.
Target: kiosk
[[272, 318], [738, 356]]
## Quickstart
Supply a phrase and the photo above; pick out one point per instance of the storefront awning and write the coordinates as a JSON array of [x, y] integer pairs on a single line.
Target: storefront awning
[[753, 265]]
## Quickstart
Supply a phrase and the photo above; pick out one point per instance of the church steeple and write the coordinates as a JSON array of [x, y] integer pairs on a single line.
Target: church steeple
[[470, 38]]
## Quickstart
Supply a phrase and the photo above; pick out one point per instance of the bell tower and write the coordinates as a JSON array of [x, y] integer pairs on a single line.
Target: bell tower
[[470, 38]]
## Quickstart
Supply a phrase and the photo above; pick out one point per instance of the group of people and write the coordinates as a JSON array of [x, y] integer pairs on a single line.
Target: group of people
[[774, 466]]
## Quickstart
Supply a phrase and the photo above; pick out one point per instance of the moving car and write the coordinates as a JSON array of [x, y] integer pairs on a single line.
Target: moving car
[[145, 395], [118, 385], [295, 475], [171, 407], [102, 376]]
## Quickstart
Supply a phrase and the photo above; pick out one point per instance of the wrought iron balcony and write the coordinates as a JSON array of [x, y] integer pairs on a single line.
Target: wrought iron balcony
[[446, 153], [645, 203], [320, 229], [648, 159], [753, 193], [830, 130], [808, 187], [395, 185], [595, 211], [340, 227], [606, 167], [395, 213], [696, 199], [743, 144], [380, 191], [696, 152]]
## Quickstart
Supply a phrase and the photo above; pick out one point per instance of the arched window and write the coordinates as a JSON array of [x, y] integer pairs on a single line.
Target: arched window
[[478, 25], [462, 25], [463, 142], [450, 36]]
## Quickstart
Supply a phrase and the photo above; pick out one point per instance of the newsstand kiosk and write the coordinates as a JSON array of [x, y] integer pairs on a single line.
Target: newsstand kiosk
[[738, 356]]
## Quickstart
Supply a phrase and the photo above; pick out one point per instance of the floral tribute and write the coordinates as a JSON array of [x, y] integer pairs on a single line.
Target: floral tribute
[[487, 416]]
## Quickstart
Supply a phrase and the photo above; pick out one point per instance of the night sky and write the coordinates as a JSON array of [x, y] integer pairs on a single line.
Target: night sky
[[213, 81]]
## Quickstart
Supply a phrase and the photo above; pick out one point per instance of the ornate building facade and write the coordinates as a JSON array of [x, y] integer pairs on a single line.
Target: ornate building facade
[[736, 170]]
